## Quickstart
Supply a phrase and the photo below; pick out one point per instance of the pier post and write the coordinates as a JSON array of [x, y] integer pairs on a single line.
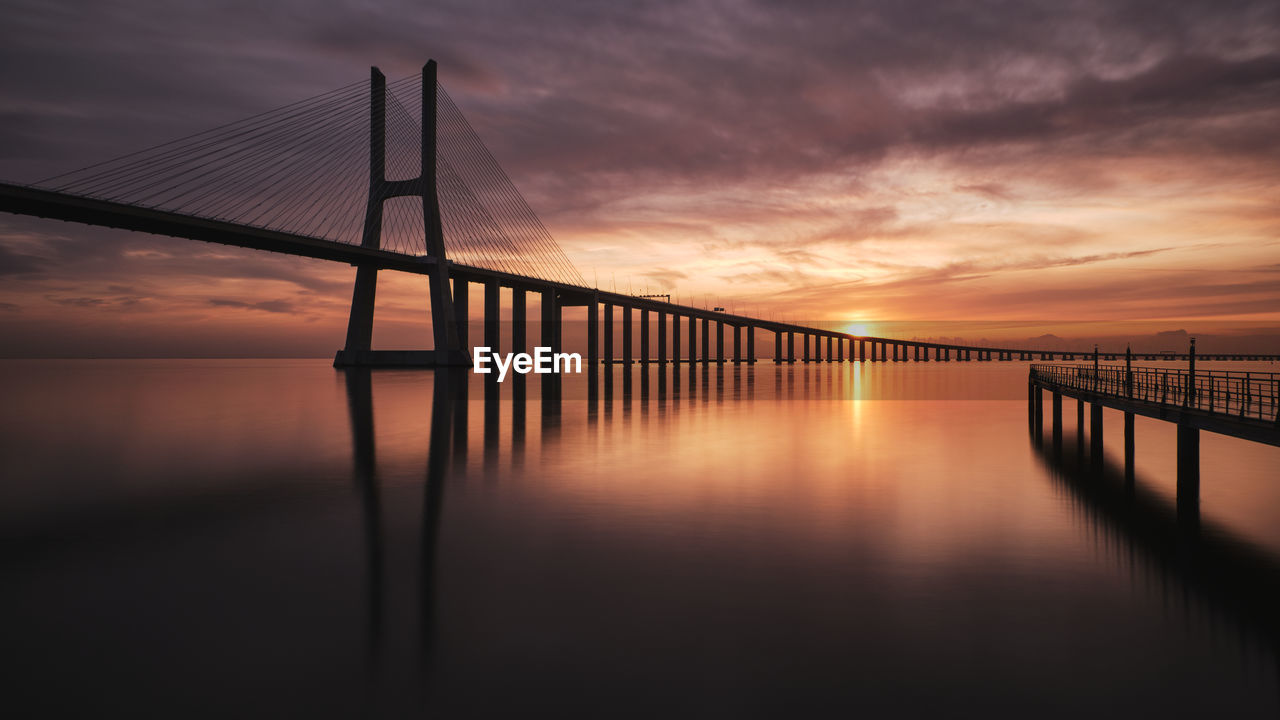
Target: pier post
[[1188, 476], [1057, 422], [751, 344], [608, 333], [626, 334], [791, 347], [461, 321], [549, 317], [644, 336], [1080, 427], [491, 310], [777, 347], [719, 342], [693, 339], [675, 339], [808, 356], [662, 338], [862, 350], [737, 344], [519, 321], [706, 341], [593, 335], [1128, 448], [1095, 435], [1037, 414]]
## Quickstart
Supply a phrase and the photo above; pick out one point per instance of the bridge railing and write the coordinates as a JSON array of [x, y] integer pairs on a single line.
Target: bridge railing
[[1254, 395]]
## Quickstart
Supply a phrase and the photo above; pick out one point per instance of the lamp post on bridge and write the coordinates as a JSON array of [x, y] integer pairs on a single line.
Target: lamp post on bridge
[[1191, 374], [1128, 370], [1096, 379]]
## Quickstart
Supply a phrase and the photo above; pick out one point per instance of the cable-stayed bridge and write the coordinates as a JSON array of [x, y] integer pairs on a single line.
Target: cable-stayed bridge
[[391, 176]]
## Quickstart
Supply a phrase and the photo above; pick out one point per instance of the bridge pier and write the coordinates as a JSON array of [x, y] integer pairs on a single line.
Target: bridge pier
[[1080, 427], [1188, 476], [791, 347], [777, 347], [550, 320], [693, 340], [751, 344], [1057, 423], [1095, 435], [662, 338], [519, 321], [1128, 448], [626, 336], [492, 308], [719, 342], [706, 341], [737, 344], [644, 336], [461, 311], [808, 357], [608, 334], [675, 338]]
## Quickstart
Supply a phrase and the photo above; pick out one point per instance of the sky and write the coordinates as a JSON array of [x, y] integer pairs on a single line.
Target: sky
[[1002, 169]]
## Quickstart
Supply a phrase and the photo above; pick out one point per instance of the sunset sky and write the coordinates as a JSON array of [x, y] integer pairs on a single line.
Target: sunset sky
[[959, 166]]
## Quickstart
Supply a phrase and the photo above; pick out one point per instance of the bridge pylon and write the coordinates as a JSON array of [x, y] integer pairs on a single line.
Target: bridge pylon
[[358, 350]]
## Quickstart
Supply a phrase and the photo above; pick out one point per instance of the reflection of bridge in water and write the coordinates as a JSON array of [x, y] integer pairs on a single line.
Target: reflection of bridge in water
[[1202, 571]]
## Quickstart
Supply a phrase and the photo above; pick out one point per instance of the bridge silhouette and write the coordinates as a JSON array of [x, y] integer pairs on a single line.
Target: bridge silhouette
[[436, 203]]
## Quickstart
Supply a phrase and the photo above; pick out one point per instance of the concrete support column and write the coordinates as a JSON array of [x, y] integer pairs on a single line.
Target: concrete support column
[[1080, 427], [608, 333], [895, 352], [644, 336], [862, 351], [626, 334], [791, 347], [737, 344], [1128, 447], [461, 321], [675, 338], [693, 339], [1057, 422], [550, 318], [706, 340], [1188, 476], [519, 321], [492, 305], [662, 338], [719, 342], [1095, 434], [808, 354], [777, 347], [751, 343], [593, 334]]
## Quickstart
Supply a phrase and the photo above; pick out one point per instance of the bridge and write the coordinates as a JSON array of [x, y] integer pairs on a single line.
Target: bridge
[[433, 201], [1239, 404]]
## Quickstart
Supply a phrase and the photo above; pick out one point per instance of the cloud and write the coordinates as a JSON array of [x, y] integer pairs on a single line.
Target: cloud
[[271, 306]]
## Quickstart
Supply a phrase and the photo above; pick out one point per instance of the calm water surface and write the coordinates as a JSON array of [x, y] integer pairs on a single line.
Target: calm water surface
[[280, 539]]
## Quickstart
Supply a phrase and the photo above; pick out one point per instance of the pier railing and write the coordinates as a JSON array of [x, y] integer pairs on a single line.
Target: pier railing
[[1253, 395]]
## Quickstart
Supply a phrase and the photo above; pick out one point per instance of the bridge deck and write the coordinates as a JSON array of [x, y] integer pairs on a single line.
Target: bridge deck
[[1240, 404]]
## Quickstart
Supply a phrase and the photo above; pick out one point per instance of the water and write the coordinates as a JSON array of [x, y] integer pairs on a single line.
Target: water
[[277, 538]]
